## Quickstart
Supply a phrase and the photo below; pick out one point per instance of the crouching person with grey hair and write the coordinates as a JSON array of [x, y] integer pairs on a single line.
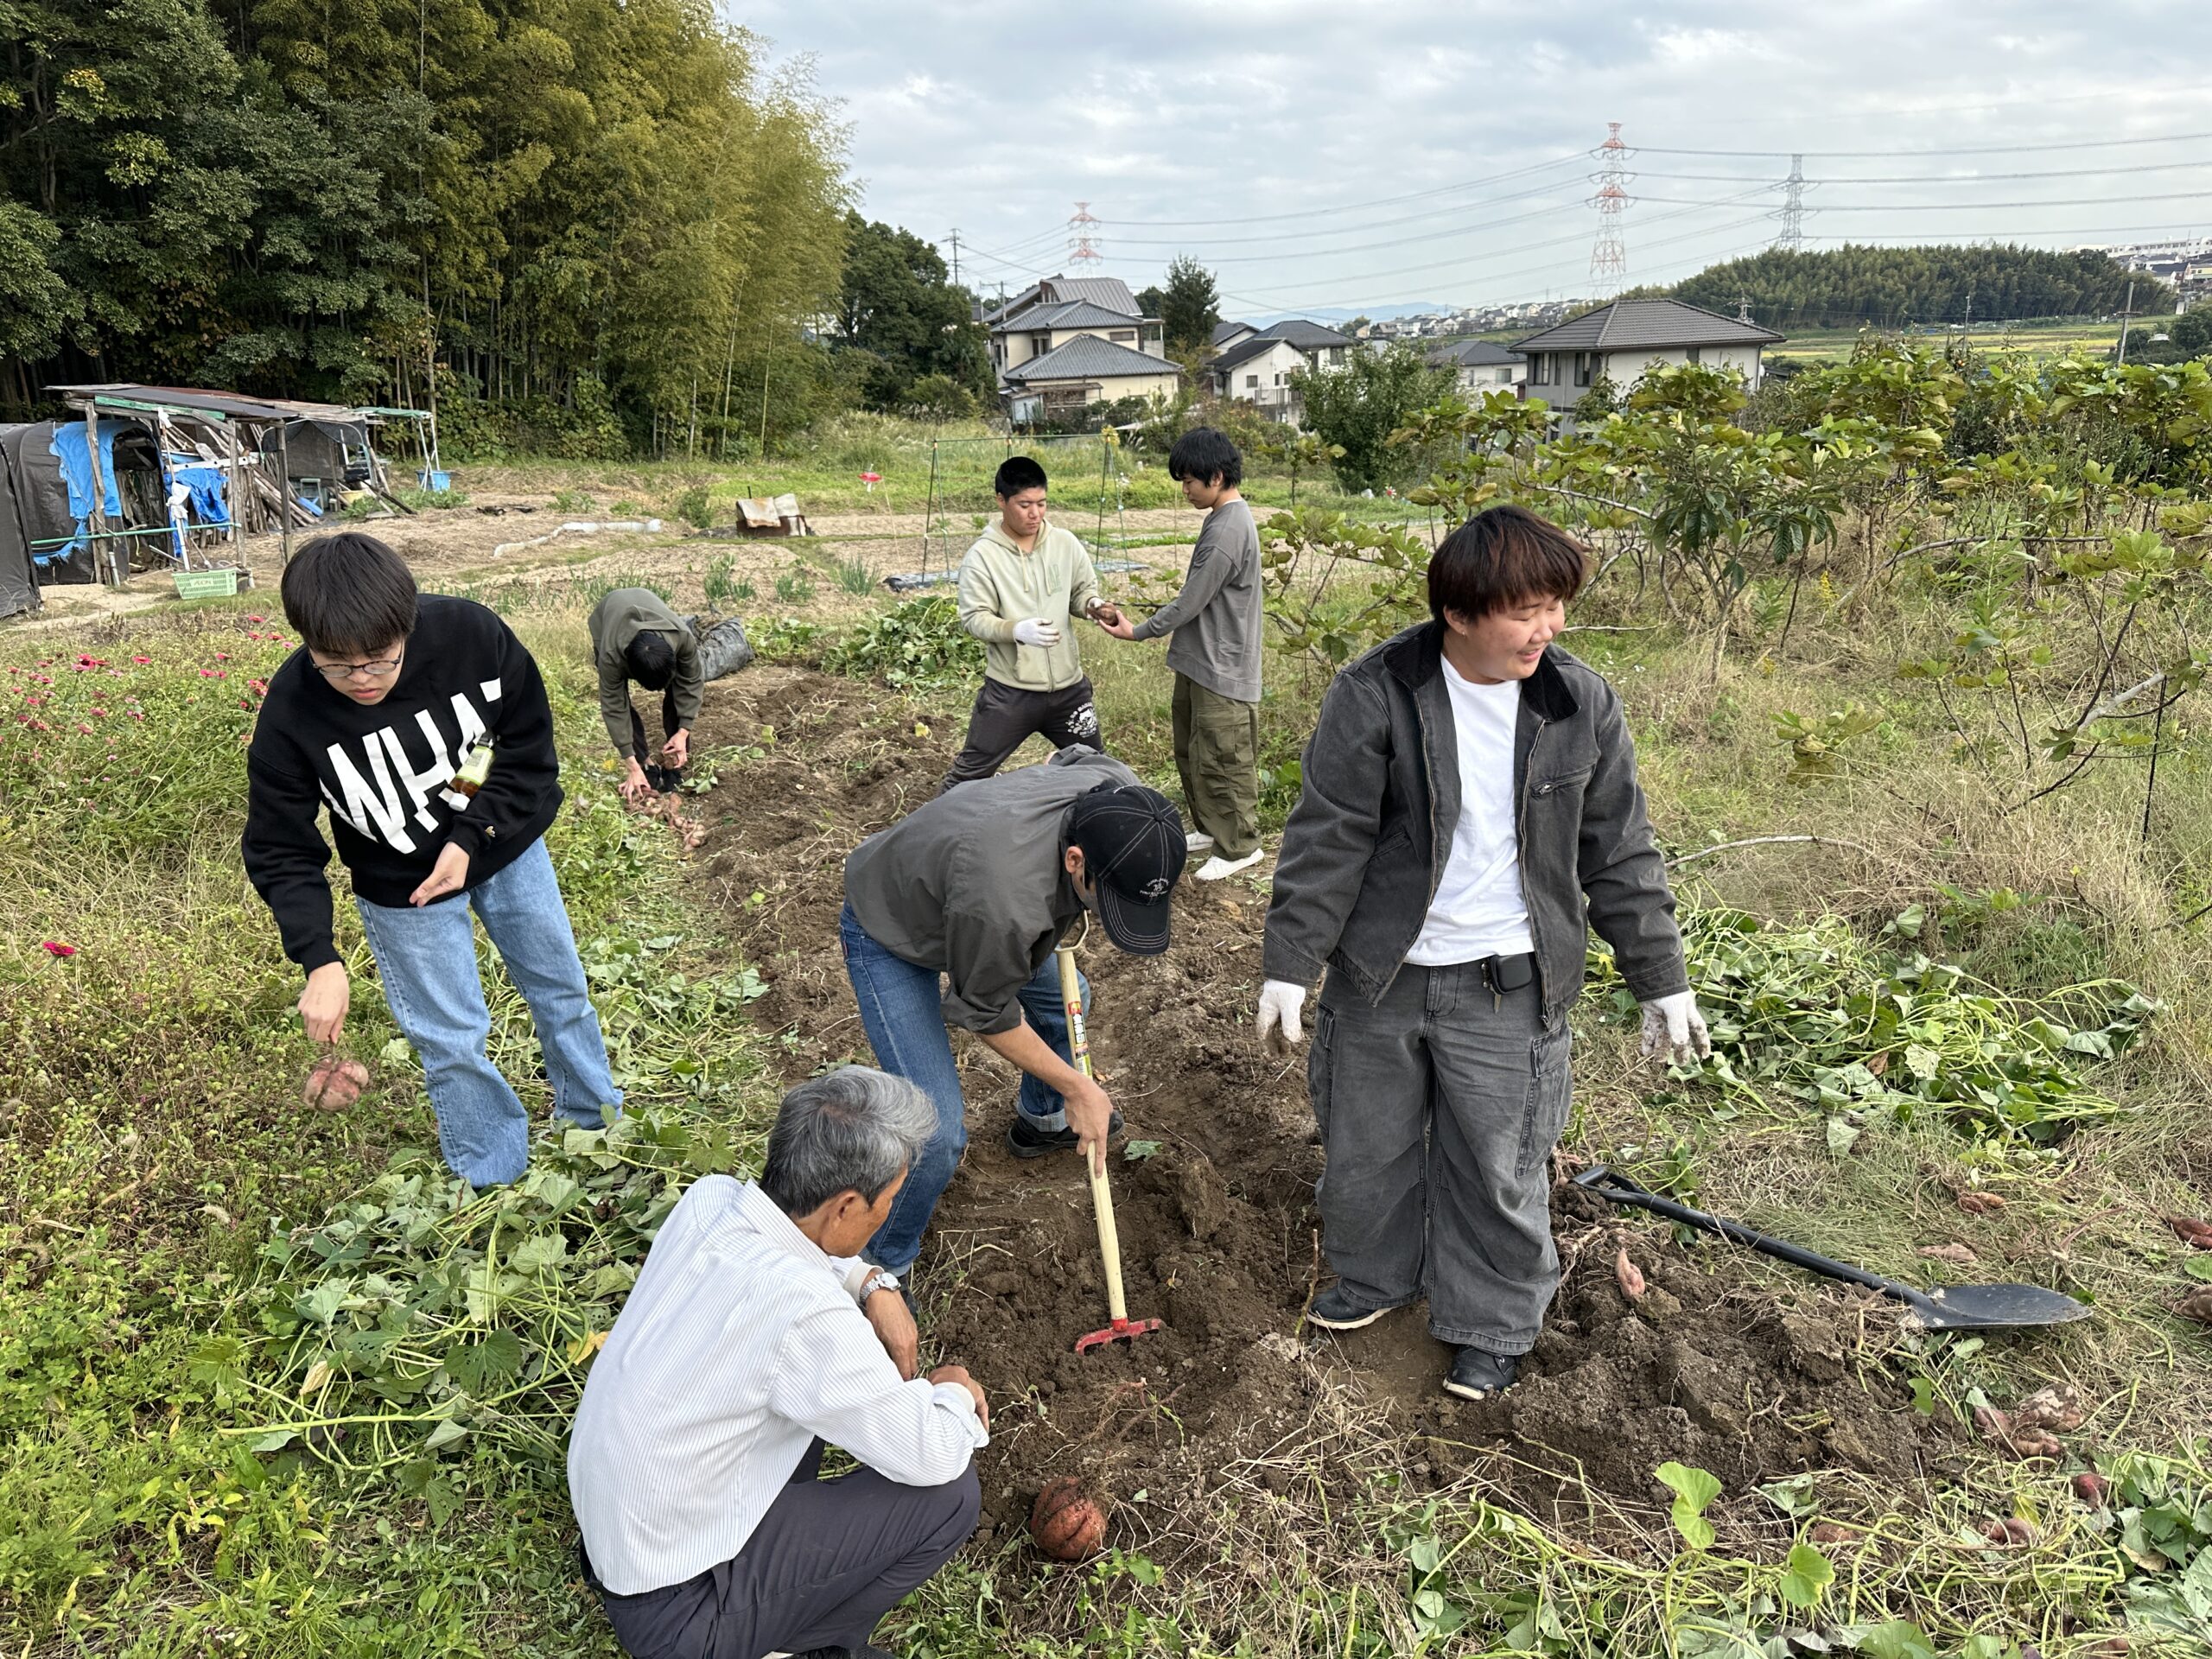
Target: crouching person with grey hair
[[754, 1335]]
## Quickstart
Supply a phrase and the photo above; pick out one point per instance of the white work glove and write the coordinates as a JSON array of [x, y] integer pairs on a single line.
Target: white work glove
[[1036, 631], [1280, 1003], [1673, 1026]]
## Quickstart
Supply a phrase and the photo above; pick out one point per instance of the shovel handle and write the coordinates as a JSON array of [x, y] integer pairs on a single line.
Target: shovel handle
[[1610, 1184], [1101, 1199]]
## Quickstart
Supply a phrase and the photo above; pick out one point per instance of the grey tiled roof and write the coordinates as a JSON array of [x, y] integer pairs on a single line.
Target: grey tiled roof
[[1306, 336], [1073, 314], [1109, 292], [1225, 330], [1473, 354], [1088, 357], [1245, 350], [1630, 325]]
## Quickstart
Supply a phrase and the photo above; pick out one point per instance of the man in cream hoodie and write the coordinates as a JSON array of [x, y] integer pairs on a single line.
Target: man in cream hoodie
[[1022, 586]]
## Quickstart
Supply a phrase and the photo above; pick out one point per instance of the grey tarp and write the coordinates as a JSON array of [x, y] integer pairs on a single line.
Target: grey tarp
[[18, 576]]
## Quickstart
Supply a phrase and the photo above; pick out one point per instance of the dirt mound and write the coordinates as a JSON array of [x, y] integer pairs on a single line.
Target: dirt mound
[[1218, 1233]]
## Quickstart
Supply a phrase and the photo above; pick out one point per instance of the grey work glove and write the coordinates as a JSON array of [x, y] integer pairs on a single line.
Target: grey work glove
[[1674, 1027], [1036, 631]]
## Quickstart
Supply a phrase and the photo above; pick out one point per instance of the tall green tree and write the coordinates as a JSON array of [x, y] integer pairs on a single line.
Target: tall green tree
[[897, 306], [1358, 407], [1190, 306]]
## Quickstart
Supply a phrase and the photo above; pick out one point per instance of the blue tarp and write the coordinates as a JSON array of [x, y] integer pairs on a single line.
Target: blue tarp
[[68, 448]]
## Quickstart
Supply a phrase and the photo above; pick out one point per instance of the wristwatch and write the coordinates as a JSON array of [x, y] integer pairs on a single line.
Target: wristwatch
[[878, 1279]]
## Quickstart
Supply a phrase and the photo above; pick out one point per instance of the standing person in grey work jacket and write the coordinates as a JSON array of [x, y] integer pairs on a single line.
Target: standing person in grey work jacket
[[1470, 793], [979, 886], [1216, 652]]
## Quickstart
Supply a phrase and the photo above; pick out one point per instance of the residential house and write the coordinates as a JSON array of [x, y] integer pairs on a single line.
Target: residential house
[[1048, 314], [1226, 334], [1258, 369], [1480, 366], [1618, 342], [1084, 370]]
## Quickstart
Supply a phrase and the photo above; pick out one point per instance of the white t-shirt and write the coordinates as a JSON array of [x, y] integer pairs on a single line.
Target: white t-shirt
[[1478, 910]]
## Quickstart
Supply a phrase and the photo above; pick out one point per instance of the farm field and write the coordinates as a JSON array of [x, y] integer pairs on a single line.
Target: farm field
[[209, 1448]]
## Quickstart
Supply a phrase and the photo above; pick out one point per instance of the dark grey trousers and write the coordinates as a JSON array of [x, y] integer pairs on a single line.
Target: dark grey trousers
[[829, 1559], [1006, 717], [1438, 1109]]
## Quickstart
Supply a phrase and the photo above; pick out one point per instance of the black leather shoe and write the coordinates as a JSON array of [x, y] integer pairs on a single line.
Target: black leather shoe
[[1025, 1140], [1477, 1374], [1338, 1309]]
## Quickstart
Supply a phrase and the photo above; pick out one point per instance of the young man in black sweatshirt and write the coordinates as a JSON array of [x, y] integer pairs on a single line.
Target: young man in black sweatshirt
[[386, 714]]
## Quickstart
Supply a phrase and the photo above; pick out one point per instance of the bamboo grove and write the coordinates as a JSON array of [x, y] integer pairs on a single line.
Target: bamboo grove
[[604, 221]]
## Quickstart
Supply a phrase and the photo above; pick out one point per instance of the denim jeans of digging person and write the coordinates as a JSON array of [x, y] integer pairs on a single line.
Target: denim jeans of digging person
[[902, 1012], [427, 959]]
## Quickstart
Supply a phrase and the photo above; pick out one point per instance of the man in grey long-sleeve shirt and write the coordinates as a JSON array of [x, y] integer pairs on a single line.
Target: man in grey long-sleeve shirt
[[1216, 649], [978, 886]]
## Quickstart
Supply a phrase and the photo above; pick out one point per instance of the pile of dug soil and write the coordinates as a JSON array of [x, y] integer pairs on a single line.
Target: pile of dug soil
[[1217, 1229]]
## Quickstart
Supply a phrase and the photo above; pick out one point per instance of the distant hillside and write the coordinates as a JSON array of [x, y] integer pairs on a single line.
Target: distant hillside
[[1891, 287]]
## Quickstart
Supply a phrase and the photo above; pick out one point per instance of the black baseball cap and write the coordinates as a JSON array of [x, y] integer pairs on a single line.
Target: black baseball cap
[[1133, 849]]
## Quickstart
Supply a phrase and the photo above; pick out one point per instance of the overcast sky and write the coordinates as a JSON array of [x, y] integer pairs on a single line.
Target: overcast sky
[[1373, 155]]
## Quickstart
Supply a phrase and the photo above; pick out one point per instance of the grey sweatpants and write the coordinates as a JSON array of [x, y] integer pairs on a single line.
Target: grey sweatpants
[[1439, 1108], [829, 1559], [1007, 716]]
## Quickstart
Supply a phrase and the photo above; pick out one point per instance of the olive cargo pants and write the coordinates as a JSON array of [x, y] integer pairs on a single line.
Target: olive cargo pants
[[1217, 753]]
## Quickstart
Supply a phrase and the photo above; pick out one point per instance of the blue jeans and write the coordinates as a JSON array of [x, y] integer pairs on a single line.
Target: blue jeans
[[903, 1014], [427, 958]]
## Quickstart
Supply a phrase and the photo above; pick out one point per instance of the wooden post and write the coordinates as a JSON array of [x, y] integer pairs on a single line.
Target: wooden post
[[283, 495], [96, 520]]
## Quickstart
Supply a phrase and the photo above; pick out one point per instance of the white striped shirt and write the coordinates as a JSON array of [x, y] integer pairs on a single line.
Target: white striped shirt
[[739, 1342]]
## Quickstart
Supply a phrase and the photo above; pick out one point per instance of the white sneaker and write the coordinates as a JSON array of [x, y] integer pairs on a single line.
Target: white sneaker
[[1217, 868], [1198, 842]]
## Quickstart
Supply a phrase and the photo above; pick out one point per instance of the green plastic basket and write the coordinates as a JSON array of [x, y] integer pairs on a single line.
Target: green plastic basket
[[206, 584]]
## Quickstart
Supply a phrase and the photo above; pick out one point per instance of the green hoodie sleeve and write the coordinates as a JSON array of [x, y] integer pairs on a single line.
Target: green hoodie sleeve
[[979, 600], [1082, 586]]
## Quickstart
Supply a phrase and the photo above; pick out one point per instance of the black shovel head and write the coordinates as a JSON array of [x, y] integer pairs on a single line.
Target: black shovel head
[[1993, 1307]]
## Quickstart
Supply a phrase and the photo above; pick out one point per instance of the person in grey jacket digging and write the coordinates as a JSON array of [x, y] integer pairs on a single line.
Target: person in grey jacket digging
[[634, 636], [1470, 793]]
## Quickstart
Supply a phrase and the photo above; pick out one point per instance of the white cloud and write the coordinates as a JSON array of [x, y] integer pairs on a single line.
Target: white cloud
[[1329, 116]]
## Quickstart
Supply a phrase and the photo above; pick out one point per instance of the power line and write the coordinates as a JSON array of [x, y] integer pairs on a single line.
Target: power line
[[1950, 178], [1983, 149], [1967, 207], [1574, 158]]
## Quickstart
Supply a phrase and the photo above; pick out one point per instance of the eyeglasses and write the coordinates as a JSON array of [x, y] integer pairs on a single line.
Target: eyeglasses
[[383, 669]]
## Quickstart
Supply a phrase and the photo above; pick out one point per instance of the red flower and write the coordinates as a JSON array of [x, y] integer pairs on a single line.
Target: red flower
[[222, 656], [245, 702], [141, 661], [54, 947], [137, 713], [83, 728], [256, 618], [97, 712]]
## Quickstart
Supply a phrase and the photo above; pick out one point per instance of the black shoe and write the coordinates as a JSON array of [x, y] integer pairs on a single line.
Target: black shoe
[[1338, 1309], [1025, 1140], [1477, 1374]]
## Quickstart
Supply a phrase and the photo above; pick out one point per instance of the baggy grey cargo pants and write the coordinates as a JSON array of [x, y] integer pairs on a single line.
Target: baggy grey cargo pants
[[1439, 1108]]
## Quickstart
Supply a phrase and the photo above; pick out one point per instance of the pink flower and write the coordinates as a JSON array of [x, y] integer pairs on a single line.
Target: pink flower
[[245, 702], [256, 618], [222, 656], [137, 713], [83, 728], [141, 661], [97, 712], [54, 947]]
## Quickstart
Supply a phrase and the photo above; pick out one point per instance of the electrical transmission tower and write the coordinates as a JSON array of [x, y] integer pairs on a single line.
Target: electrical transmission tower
[[1608, 254], [1791, 237], [1083, 247], [954, 239]]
